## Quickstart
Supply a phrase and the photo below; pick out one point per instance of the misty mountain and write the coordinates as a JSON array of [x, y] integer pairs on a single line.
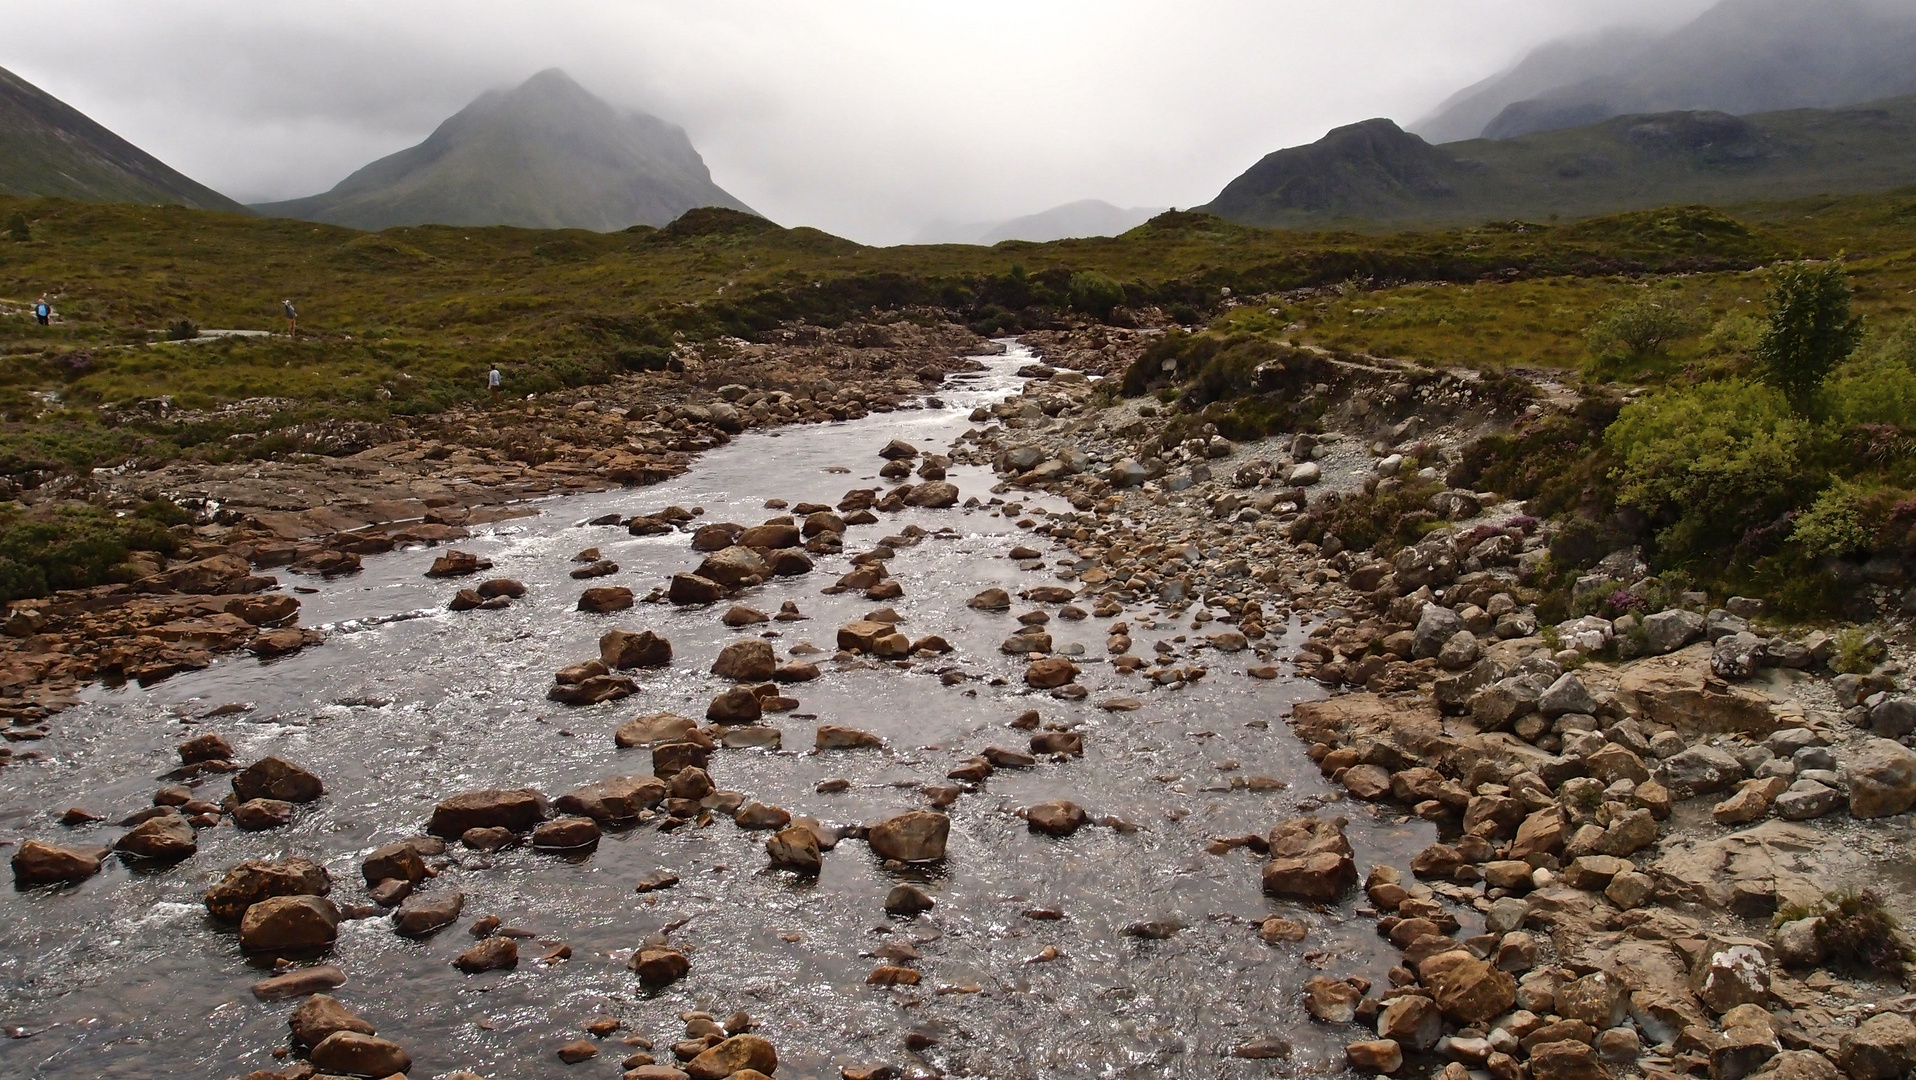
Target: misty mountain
[[1740, 57], [1377, 174], [547, 154], [1086, 217], [48, 147]]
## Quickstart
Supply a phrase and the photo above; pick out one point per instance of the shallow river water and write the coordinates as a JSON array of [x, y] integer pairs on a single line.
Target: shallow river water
[[125, 976]]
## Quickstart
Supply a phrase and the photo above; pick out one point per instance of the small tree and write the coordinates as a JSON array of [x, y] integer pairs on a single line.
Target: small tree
[[1639, 328], [1810, 331], [17, 227]]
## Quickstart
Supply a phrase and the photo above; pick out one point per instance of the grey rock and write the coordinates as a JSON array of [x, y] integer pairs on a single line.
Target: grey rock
[[1668, 631], [1700, 770], [1566, 695]]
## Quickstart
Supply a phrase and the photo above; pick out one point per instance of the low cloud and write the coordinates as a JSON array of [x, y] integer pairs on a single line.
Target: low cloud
[[867, 119]]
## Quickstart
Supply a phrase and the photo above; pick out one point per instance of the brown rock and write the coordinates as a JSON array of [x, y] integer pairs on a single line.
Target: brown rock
[[625, 650], [1565, 1060], [399, 860], [659, 966], [36, 863], [1473, 991], [165, 838], [734, 1055], [428, 913], [1059, 817], [689, 589], [1050, 673], [654, 728], [258, 815], [1331, 1001], [833, 737], [350, 1053], [797, 849], [455, 563], [604, 599], [208, 747], [319, 1016], [259, 879], [276, 778], [492, 954], [299, 982], [749, 661], [566, 834], [289, 924], [618, 798], [1310, 860], [913, 836], [738, 705], [517, 809], [1375, 1056]]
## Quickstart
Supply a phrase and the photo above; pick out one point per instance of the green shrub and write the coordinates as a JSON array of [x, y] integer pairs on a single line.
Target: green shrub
[[1709, 463], [1637, 328], [1857, 652], [1810, 330], [1833, 527], [182, 330], [1095, 294], [1735, 334], [17, 229], [71, 549]]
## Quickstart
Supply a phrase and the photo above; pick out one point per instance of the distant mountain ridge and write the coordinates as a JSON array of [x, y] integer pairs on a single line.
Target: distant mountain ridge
[[1740, 57], [546, 154], [1084, 218], [49, 148], [1375, 173]]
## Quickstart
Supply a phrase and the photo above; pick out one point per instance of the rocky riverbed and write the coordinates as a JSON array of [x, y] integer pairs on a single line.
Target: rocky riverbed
[[1020, 735]]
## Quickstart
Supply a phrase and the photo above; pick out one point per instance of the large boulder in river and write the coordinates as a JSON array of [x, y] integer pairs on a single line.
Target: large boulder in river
[[748, 661], [1050, 673], [770, 537], [734, 568], [604, 599], [690, 589], [36, 863], [321, 1015], [163, 838], [914, 836], [289, 924], [624, 649], [276, 778], [654, 728], [516, 809], [427, 913], [933, 495], [897, 450], [262, 879], [350, 1053], [455, 563], [397, 861], [1310, 860], [618, 798]]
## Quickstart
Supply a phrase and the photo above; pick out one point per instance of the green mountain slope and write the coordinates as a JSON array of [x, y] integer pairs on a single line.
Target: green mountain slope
[[546, 154], [1376, 173], [49, 148]]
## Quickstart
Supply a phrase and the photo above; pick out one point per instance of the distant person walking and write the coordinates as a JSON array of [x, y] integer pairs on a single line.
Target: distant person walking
[[493, 382], [292, 319], [42, 311]]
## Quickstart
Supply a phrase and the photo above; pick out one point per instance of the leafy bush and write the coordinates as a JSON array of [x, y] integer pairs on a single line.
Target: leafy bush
[[1810, 330], [1637, 328], [182, 330], [1095, 294], [642, 357], [1833, 527], [17, 228], [1709, 463]]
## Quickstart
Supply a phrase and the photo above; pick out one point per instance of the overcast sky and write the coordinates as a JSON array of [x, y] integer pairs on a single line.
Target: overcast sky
[[865, 119]]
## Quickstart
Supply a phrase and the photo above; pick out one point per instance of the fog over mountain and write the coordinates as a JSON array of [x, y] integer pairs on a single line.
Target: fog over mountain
[[1086, 217], [866, 118], [1741, 56]]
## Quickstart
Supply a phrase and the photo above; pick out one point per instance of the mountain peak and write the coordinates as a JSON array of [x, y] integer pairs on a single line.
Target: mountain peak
[[547, 153], [48, 147]]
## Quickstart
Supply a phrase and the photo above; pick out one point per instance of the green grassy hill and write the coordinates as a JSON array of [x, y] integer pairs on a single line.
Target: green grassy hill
[[1376, 176], [47, 147]]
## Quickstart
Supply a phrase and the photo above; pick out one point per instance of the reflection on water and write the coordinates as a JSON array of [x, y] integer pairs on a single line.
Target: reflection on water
[[125, 976]]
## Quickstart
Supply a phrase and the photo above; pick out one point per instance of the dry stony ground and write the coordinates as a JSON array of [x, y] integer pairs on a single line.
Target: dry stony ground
[[317, 515], [1637, 855]]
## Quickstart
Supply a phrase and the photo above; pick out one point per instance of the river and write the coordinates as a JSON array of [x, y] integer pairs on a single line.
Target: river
[[126, 976]]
